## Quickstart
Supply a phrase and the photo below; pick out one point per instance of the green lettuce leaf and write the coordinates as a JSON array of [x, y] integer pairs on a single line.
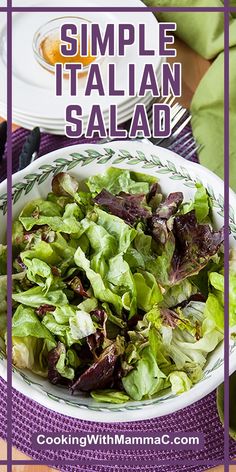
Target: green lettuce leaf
[[214, 311], [39, 272], [121, 281], [74, 211], [3, 294], [145, 379], [64, 184], [88, 305], [141, 177], [232, 298], [100, 290], [40, 207], [183, 347], [179, 293], [18, 242], [72, 359], [160, 268], [31, 353], [65, 225], [43, 251], [62, 366], [34, 297], [158, 350], [143, 243], [119, 180], [43, 212], [201, 204], [3, 304], [3, 259], [55, 327], [141, 255], [194, 372], [62, 314], [147, 289], [119, 274], [180, 382], [62, 201], [81, 325], [134, 259], [69, 324], [100, 240], [64, 251], [109, 396], [26, 323], [115, 226], [31, 341], [115, 320], [217, 282]]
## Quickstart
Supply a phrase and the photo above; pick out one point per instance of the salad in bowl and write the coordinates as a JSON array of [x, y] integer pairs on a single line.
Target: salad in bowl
[[118, 288]]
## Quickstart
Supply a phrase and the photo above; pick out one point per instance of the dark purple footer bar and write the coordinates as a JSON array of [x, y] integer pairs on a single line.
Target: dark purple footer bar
[[175, 441]]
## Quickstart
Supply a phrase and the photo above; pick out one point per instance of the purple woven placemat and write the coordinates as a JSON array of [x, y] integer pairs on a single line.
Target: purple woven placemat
[[30, 417]]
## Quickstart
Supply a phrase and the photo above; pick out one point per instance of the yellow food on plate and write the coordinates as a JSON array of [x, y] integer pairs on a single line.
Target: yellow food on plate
[[51, 52]]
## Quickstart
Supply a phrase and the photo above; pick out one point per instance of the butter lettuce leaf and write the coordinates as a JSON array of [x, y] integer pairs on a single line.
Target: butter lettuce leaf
[[39, 272], [31, 353], [119, 180], [31, 341], [145, 379], [99, 238], [217, 300], [183, 346], [147, 289], [180, 382], [121, 281], [109, 396], [115, 226], [201, 204], [100, 290], [3, 259], [62, 366], [81, 325], [35, 297], [26, 323]]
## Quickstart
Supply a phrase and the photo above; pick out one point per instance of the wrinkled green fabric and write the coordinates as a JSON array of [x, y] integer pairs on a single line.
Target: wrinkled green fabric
[[204, 32]]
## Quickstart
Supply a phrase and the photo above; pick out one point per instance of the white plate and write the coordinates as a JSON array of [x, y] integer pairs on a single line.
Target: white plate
[[175, 174], [33, 87], [58, 127], [31, 122], [54, 128], [123, 110]]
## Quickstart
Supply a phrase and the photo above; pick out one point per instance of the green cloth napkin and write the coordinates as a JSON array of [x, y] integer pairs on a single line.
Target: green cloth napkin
[[204, 32]]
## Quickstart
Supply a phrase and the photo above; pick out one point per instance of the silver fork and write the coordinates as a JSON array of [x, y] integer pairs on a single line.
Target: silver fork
[[186, 144], [176, 111], [179, 118]]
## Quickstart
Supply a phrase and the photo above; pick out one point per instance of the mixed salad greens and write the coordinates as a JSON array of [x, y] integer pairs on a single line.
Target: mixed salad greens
[[118, 289]]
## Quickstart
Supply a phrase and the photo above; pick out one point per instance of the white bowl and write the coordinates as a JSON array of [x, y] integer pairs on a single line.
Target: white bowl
[[174, 174]]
